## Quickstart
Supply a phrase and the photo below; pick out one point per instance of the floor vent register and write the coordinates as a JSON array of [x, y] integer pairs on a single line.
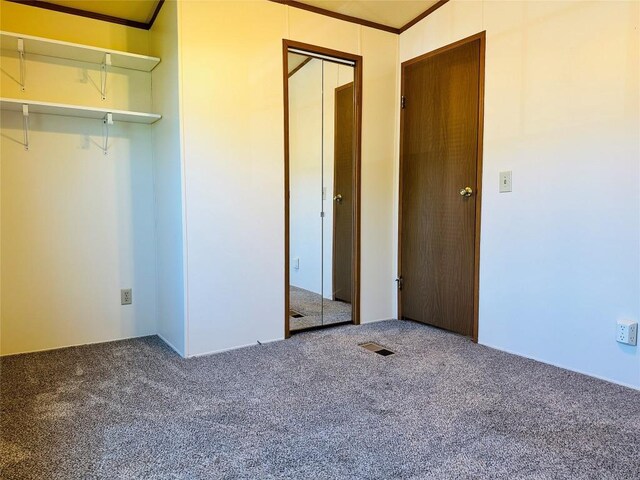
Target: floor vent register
[[375, 348]]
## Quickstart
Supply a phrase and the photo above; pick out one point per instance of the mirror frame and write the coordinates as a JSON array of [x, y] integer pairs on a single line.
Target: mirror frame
[[357, 82]]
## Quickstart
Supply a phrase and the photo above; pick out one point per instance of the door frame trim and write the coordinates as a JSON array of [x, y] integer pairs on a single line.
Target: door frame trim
[[357, 80], [478, 187]]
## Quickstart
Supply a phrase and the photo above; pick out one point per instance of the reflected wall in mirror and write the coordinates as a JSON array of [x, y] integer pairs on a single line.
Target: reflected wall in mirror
[[321, 102]]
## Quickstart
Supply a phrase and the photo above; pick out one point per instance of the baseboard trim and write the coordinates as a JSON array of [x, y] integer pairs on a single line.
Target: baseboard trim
[[213, 352], [76, 345], [170, 345], [563, 367], [376, 320]]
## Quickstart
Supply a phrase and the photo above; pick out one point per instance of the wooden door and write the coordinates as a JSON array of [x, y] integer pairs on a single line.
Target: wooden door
[[440, 133], [343, 193]]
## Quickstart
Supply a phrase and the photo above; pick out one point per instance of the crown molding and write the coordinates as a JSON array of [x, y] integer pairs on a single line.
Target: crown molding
[[95, 16]]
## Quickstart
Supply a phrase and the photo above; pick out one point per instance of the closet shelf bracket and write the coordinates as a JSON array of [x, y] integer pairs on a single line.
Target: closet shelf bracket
[[25, 125], [103, 75], [108, 120], [23, 66]]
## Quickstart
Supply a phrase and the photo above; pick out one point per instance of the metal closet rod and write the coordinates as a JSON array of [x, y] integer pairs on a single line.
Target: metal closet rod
[[322, 57]]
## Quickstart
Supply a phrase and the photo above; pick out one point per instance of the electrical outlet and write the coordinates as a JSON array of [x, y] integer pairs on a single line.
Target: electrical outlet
[[126, 297], [627, 332]]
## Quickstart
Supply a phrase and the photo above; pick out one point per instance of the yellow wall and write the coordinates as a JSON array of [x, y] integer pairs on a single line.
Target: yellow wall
[[71, 28], [76, 225], [234, 164]]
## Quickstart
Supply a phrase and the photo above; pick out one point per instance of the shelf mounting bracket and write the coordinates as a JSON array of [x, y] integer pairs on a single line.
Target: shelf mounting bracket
[[23, 66], [25, 125], [103, 75], [107, 120]]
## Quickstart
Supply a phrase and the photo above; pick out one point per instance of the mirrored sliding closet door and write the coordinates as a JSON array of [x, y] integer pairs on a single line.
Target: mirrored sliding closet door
[[321, 98]]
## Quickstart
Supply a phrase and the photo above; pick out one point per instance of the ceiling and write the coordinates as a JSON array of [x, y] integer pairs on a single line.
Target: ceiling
[[134, 10], [295, 60], [393, 13], [390, 13]]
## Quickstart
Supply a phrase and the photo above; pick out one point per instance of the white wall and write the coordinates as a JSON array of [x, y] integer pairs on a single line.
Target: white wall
[[381, 94], [168, 179], [234, 164], [77, 225], [560, 256]]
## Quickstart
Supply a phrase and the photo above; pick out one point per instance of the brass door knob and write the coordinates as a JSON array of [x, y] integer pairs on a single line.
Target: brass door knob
[[338, 198], [466, 192]]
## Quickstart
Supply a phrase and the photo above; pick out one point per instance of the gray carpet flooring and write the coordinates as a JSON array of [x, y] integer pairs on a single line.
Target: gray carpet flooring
[[317, 311], [316, 406]]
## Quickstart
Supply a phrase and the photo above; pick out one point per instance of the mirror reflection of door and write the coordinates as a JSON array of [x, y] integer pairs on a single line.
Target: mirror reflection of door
[[343, 198], [321, 164]]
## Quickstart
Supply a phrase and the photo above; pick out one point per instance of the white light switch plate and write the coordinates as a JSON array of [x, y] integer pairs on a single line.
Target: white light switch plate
[[505, 182]]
